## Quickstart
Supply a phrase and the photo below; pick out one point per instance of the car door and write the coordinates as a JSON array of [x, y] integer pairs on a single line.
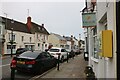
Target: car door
[[42, 61], [64, 53], [47, 60], [50, 59]]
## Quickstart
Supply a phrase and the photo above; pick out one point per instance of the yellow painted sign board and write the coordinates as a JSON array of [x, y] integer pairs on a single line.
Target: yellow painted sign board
[[106, 43]]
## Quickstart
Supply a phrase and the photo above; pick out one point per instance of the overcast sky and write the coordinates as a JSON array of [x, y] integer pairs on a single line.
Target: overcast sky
[[63, 18]]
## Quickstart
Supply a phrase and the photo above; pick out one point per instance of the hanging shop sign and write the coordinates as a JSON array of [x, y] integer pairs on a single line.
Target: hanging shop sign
[[88, 20]]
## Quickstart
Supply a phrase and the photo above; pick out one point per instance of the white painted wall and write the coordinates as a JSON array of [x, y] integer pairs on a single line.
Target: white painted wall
[[106, 67], [69, 43], [18, 39], [52, 39], [39, 39]]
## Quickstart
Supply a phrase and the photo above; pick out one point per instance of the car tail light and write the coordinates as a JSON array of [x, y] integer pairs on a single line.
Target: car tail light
[[58, 53], [13, 63], [30, 62]]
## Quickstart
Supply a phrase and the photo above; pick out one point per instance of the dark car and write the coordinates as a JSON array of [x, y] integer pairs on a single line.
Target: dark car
[[21, 50], [71, 54], [33, 61]]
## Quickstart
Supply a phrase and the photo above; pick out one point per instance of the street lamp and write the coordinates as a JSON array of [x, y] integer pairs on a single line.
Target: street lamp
[[11, 41]]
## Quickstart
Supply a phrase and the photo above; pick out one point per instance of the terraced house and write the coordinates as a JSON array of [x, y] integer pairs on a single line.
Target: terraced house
[[57, 40], [24, 35], [2, 31], [102, 43]]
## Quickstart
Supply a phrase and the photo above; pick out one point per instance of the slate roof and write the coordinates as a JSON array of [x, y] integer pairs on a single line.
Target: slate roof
[[22, 27], [39, 28], [59, 36], [68, 38], [75, 38], [17, 26]]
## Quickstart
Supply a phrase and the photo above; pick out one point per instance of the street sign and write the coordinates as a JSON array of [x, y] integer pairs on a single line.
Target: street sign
[[88, 20]]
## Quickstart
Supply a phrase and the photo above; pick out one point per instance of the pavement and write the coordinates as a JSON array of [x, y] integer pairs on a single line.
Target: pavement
[[73, 70]]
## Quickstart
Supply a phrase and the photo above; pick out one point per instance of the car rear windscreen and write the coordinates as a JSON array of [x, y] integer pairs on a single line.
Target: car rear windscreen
[[30, 54], [54, 50]]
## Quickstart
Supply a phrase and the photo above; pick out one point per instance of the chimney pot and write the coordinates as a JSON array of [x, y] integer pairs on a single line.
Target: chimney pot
[[42, 25], [71, 35]]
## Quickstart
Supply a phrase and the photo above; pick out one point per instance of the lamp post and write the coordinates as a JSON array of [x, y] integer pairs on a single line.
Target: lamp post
[[43, 45], [11, 41]]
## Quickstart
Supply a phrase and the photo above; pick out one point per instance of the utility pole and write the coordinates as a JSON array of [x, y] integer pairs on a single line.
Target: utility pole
[[11, 41]]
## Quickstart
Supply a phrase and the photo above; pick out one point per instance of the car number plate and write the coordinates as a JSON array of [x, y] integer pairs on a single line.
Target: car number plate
[[20, 62]]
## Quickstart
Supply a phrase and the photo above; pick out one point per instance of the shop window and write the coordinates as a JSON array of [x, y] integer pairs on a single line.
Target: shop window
[[95, 54], [9, 48]]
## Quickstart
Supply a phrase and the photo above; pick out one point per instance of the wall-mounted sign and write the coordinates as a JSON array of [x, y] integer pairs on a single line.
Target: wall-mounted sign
[[88, 20]]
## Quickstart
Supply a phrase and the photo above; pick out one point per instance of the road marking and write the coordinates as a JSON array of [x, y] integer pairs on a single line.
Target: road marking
[[4, 65]]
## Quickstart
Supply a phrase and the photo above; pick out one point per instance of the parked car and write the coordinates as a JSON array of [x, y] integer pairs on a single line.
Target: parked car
[[76, 51], [55, 51], [33, 61], [71, 54], [20, 50]]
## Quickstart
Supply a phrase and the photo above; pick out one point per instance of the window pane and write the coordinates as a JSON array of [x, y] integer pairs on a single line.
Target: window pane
[[0, 30], [30, 54], [22, 38], [54, 50]]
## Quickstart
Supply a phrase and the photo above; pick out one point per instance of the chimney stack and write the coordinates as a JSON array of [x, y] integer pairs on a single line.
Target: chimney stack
[[29, 22]]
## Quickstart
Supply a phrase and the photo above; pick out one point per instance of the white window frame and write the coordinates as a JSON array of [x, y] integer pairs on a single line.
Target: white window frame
[[1, 29], [14, 36]]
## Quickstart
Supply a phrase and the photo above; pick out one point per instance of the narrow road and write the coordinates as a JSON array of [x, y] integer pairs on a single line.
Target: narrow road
[[6, 71]]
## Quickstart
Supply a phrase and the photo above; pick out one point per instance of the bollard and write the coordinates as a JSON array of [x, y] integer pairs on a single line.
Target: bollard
[[12, 73], [67, 57], [58, 62], [86, 56], [13, 68], [90, 75], [72, 53]]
